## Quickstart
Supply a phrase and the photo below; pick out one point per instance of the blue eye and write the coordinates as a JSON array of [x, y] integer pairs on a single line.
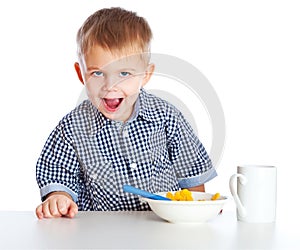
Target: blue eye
[[124, 74], [98, 73]]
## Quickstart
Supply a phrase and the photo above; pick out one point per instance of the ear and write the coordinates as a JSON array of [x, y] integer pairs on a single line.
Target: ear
[[148, 73], [78, 71]]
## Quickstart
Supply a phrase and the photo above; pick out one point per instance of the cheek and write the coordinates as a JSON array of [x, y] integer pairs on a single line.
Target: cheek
[[91, 90], [132, 86], [93, 86]]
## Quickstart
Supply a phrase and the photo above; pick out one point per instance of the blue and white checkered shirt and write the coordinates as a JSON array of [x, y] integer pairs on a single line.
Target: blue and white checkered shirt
[[91, 157]]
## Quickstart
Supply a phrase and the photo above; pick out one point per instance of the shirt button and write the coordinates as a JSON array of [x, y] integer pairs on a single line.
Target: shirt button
[[133, 166], [94, 176], [125, 133]]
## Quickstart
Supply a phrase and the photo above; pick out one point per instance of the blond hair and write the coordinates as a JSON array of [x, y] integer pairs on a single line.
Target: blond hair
[[116, 30]]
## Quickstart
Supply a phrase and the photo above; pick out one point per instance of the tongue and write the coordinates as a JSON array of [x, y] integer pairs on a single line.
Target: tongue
[[113, 103]]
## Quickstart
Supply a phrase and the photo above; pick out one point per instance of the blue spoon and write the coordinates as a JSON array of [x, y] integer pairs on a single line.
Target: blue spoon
[[143, 193]]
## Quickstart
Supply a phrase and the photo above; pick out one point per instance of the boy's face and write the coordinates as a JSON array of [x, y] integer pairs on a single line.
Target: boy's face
[[113, 81]]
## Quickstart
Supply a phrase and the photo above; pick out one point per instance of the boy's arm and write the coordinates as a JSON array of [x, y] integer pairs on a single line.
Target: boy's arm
[[191, 162], [199, 188], [57, 168]]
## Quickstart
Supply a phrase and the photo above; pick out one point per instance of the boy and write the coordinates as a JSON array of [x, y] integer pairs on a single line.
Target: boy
[[121, 134]]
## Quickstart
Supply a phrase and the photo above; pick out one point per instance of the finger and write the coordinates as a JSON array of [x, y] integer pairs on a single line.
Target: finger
[[73, 209], [46, 210], [53, 208], [62, 206], [39, 211]]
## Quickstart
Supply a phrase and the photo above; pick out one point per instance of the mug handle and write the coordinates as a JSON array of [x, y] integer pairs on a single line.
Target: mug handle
[[243, 180]]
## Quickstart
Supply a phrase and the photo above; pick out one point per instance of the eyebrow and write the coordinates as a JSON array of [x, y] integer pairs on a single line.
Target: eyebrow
[[127, 69], [119, 70], [93, 68]]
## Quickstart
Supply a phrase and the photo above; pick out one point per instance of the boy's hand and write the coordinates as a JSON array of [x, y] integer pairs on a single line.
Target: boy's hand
[[57, 204]]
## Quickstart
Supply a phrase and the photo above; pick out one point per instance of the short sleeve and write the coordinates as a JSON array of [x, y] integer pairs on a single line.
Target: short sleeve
[[192, 164]]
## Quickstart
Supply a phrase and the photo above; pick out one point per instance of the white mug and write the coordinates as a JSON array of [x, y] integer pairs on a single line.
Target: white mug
[[255, 193]]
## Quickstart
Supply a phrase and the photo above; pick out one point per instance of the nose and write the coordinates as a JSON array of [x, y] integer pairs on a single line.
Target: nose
[[109, 83]]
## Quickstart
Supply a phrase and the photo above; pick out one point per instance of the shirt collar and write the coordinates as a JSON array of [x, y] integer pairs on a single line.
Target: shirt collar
[[148, 108], [135, 111]]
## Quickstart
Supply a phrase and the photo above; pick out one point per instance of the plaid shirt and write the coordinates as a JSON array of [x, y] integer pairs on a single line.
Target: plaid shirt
[[91, 157]]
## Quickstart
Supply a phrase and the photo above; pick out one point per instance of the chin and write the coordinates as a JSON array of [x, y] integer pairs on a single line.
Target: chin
[[114, 117]]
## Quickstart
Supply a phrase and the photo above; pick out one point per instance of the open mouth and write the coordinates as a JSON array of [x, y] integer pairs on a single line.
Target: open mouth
[[112, 104]]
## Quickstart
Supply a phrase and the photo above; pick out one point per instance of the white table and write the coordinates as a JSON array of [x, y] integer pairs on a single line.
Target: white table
[[140, 230]]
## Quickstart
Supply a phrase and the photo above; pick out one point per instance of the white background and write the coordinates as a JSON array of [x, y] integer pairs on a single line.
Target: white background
[[249, 51]]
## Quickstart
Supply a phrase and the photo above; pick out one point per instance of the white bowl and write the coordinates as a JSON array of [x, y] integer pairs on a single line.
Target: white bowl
[[187, 211]]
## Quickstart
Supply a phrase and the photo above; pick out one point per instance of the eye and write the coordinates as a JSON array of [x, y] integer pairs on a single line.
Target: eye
[[124, 74], [98, 73]]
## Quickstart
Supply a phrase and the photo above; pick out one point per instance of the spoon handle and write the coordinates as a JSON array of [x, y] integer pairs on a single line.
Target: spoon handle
[[143, 193]]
